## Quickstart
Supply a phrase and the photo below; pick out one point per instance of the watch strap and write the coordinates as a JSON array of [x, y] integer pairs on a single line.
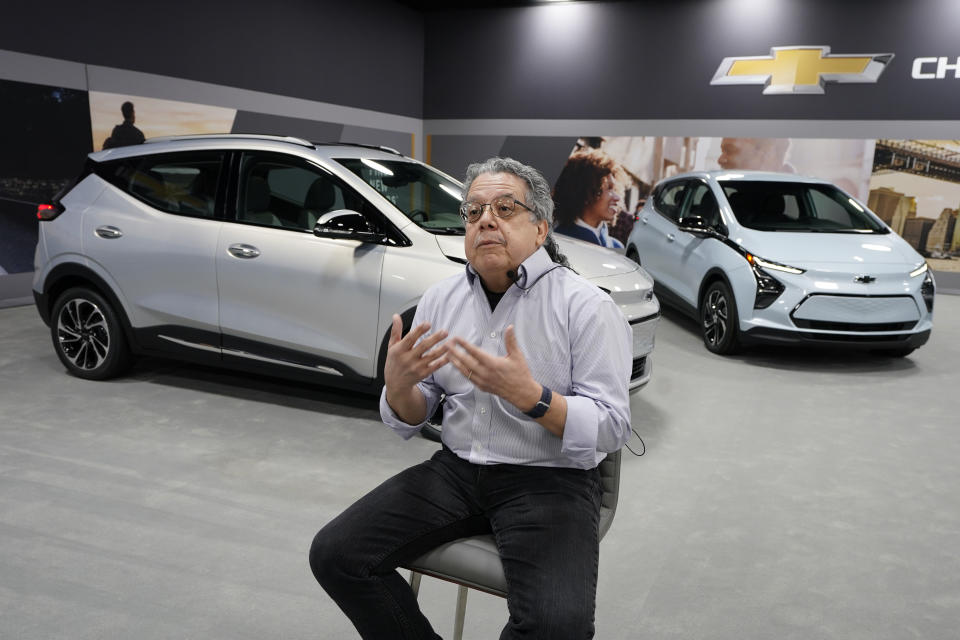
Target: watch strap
[[542, 405]]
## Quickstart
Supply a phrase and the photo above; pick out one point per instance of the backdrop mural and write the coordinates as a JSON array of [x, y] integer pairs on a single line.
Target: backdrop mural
[[42, 147], [153, 117], [915, 188], [913, 185]]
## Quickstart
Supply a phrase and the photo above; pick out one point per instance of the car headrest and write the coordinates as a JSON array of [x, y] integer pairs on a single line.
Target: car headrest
[[320, 195], [258, 194], [773, 206], [741, 205]]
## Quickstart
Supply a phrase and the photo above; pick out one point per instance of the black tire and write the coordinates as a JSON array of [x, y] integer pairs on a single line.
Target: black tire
[[87, 335], [719, 323], [632, 254]]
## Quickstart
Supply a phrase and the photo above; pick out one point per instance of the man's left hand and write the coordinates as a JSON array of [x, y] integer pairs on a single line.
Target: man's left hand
[[508, 376]]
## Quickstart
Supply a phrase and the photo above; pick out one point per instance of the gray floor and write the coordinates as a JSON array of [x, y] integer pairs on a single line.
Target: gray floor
[[784, 494]]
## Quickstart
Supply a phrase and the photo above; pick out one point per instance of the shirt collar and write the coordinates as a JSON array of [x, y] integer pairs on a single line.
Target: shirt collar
[[529, 270], [596, 229]]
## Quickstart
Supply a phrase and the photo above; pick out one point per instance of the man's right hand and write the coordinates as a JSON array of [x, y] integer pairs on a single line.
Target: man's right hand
[[407, 364]]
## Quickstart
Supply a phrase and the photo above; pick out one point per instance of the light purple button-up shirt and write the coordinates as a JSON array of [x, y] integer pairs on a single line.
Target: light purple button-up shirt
[[575, 340]]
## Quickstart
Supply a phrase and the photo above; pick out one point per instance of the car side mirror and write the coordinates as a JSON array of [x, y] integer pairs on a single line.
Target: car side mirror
[[345, 224], [697, 226]]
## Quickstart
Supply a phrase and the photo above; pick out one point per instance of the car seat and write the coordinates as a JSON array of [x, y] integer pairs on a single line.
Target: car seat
[[257, 203], [771, 211], [151, 187], [321, 198], [743, 207], [197, 199]]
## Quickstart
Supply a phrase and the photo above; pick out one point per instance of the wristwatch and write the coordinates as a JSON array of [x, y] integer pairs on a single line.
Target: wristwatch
[[544, 403]]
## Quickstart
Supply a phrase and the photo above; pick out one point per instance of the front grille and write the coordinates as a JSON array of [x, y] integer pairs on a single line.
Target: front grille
[[853, 326], [639, 367], [863, 339], [841, 312]]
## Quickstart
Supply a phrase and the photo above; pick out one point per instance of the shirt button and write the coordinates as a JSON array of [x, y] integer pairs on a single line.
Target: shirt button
[[493, 334], [482, 411]]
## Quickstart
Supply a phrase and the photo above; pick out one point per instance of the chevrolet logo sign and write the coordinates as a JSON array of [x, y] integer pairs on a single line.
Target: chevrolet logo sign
[[801, 69]]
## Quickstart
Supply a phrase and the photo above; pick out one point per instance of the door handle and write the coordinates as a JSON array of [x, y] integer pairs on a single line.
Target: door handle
[[670, 237], [643, 219], [243, 251], [109, 232]]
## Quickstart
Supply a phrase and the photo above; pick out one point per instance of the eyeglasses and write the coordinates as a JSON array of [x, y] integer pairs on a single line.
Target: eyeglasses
[[502, 207]]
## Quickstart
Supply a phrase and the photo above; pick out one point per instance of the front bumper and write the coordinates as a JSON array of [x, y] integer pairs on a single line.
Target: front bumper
[[644, 331], [830, 308], [768, 335]]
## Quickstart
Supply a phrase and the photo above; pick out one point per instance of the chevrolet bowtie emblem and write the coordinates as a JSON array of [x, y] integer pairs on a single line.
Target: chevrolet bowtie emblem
[[801, 69], [865, 279]]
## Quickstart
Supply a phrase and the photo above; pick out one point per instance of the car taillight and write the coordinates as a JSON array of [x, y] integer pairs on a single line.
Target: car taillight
[[48, 211]]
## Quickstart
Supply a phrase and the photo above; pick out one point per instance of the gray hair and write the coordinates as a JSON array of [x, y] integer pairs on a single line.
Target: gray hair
[[538, 196]]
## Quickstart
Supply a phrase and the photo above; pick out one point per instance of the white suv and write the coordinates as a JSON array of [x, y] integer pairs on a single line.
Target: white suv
[[263, 253], [770, 257]]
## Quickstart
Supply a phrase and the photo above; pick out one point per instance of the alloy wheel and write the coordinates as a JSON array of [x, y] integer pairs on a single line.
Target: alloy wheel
[[83, 334], [715, 318]]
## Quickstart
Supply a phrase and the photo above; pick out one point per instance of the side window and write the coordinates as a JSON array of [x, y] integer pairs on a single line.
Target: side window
[[181, 183], [826, 208], [669, 199], [287, 192], [704, 204]]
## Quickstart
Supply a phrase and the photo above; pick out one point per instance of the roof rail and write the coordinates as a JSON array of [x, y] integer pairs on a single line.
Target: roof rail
[[360, 144], [233, 136]]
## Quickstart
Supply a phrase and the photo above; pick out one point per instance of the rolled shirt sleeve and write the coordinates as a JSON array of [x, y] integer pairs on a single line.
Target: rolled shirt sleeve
[[406, 431], [427, 387], [598, 408]]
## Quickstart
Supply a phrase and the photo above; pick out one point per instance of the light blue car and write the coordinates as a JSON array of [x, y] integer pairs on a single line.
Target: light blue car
[[778, 258]]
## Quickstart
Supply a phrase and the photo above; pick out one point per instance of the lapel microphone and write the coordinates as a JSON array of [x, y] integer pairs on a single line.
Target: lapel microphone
[[515, 277]]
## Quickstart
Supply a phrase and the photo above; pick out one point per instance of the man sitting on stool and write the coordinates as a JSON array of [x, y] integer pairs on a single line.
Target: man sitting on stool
[[535, 362]]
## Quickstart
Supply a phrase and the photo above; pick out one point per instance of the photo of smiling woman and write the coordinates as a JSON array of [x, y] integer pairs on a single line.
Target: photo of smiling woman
[[588, 196]]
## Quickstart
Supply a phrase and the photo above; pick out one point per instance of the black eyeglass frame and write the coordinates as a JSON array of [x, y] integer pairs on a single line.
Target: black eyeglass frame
[[493, 209]]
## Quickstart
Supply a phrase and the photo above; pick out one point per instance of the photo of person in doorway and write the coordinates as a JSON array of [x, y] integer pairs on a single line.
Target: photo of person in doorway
[[589, 196], [125, 133]]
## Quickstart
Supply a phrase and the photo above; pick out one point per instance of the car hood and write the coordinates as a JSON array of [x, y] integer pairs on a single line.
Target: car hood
[[589, 260], [807, 249]]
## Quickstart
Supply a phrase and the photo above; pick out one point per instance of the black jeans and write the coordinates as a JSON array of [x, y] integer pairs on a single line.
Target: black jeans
[[544, 520]]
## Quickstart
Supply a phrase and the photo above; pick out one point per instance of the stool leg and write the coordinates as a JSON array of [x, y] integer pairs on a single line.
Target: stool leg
[[461, 613], [415, 582]]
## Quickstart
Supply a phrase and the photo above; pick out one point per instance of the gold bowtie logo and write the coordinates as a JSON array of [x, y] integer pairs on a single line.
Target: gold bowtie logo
[[801, 69]]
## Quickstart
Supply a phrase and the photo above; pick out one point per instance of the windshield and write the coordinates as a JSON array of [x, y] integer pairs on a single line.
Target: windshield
[[422, 194], [795, 206]]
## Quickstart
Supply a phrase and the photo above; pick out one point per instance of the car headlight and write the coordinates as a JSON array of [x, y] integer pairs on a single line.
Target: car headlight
[[776, 266], [768, 287], [927, 290], [923, 268]]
